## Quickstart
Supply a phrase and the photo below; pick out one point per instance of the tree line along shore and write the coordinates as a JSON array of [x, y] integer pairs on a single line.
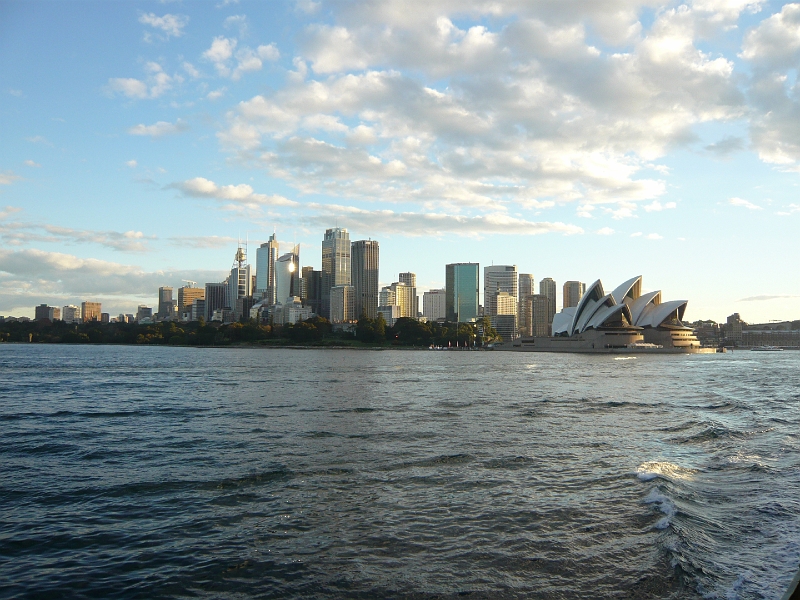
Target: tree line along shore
[[315, 332]]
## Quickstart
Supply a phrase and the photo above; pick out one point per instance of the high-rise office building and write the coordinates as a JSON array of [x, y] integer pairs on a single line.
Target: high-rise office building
[[498, 278], [143, 312], [47, 313], [335, 264], [90, 311], [505, 318], [311, 289], [187, 295], [540, 311], [527, 289], [433, 305], [71, 314], [410, 279], [287, 276], [198, 309], [266, 255], [573, 291], [405, 299], [342, 299], [547, 287], [461, 291], [239, 282], [164, 303], [216, 298], [365, 259]]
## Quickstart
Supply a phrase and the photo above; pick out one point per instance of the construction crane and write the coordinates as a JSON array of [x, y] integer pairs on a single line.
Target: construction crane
[[190, 282]]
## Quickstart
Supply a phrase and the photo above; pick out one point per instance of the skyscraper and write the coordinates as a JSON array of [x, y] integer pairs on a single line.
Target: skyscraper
[[216, 298], [498, 278], [287, 276], [266, 255], [410, 279], [541, 311], [526, 290], [335, 264], [311, 289], [547, 287], [573, 290], [187, 296], [90, 311], [71, 314], [342, 299], [461, 291], [365, 259], [404, 298], [433, 304], [239, 283], [164, 303]]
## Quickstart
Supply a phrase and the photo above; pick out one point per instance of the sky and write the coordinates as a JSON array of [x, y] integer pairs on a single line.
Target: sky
[[577, 140]]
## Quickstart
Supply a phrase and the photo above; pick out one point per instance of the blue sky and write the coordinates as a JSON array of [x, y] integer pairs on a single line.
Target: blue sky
[[576, 140]]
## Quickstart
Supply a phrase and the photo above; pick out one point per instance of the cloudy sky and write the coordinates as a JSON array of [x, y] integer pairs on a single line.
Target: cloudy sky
[[577, 140]]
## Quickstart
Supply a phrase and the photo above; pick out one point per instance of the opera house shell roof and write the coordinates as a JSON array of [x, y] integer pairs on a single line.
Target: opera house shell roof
[[625, 307]]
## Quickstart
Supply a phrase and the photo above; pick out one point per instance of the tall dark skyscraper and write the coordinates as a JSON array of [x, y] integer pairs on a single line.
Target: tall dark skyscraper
[[335, 264], [216, 297], [311, 289], [364, 274]]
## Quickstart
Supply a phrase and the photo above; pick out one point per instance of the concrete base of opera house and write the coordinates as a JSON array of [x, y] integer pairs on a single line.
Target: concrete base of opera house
[[666, 341]]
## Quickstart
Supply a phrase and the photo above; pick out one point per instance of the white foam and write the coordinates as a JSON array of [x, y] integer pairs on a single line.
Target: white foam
[[665, 505]]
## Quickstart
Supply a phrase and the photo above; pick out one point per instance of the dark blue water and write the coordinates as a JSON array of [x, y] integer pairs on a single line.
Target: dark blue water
[[175, 472]]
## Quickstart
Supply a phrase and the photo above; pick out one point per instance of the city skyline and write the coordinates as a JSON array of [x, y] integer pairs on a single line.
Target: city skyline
[[141, 139]]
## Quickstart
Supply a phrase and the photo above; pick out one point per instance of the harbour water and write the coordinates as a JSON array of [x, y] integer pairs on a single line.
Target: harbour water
[[141, 472]]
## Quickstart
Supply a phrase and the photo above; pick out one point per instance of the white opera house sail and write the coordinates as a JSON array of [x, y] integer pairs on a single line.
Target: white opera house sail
[[624, 319]]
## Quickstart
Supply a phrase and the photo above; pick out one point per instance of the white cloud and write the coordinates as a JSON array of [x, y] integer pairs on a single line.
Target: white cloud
[[31, 163], [132, 164], [206, 241], [744, 204], [775, 41], [654, 236], [159, 129], [656, 206], [8, 178], [155, 84], [31, 276], [7, 211], [171, 25], [605, 231], [241, 194], [216, 94], [637, 234], [18, 233], [790, 210], [220, 53], [190, 69]]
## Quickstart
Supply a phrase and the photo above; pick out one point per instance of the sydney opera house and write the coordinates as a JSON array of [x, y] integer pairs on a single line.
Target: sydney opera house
[[623, 320]]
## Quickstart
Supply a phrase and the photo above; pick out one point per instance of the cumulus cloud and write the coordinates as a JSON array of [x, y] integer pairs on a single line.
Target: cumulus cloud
[[235, 195], [32, 163], [433, 224], [726, 146], [132, 164], [656, 206], [605, 231], [154, 85], [159, 129], [170, 25], [744, 204], [32, 276], [223, 55], [7, 211], [18, 233], [790, 210], [216, 94], [8, 178]]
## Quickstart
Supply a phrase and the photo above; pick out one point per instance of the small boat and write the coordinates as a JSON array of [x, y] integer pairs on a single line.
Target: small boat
[[766, 349]]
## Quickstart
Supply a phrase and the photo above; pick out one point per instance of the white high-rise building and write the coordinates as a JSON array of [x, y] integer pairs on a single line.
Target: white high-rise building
[[287, 276], [405, 298], [240, 283], [266, 256], [335, 264], [71, 314], [498, 278], [434, 306], [410, 279]]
